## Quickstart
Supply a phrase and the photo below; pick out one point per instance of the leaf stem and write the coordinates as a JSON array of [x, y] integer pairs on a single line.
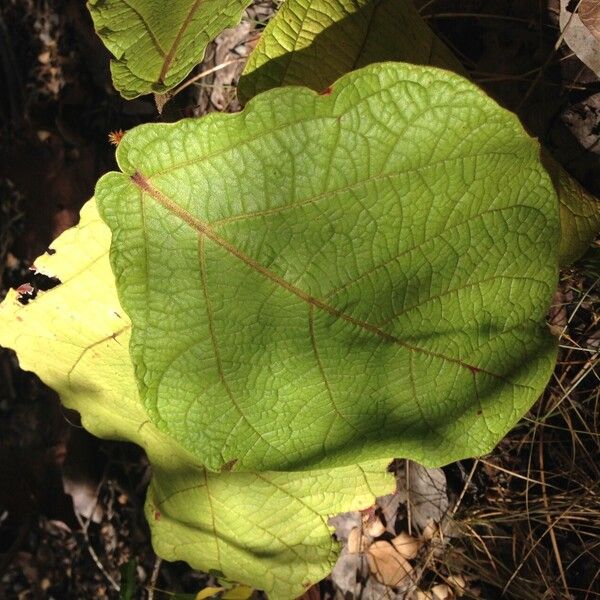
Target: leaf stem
[[204, 74]]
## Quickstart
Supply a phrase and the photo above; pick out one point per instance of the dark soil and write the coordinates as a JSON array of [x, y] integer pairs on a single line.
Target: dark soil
[[57, 109]]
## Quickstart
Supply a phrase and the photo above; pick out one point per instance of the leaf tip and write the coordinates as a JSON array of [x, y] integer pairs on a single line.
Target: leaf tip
[[115, 137]]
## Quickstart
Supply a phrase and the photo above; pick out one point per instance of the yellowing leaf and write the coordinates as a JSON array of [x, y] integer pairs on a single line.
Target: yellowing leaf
[[208, 592], [267, 529], [238, 592], [389, 567]]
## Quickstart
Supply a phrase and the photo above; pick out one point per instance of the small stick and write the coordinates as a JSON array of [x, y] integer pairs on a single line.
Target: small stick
[[154, 578], [203, 75], [161, 99], [464, 490], [408, 511], [508, 472], [548, 516], [94, 556]]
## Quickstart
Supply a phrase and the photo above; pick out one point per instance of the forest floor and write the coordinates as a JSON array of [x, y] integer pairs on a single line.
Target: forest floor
[[522, 522]]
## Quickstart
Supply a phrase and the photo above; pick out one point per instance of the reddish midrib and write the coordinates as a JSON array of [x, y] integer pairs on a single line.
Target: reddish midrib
[[171, 53], [140, 181]]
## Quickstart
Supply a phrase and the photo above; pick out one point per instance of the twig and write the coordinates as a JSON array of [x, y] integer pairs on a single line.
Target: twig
[[548, 517], [203, 75], [84, 530], [426, 5], [517, 570], [548, 60], [94, 556], [509, 472], [154, 578], [484, 546], [464, 490], [408, 511]]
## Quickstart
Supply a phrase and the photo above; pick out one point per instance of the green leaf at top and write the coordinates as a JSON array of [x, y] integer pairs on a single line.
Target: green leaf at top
[[157, 43], [314, 42], [326, 279], [268, 530]]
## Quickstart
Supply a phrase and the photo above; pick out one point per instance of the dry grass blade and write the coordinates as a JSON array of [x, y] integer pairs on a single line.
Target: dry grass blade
[[536, 531]]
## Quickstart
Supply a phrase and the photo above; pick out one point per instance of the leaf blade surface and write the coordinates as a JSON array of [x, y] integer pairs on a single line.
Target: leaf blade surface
[[374, 285], [314, 42], [156, 44]]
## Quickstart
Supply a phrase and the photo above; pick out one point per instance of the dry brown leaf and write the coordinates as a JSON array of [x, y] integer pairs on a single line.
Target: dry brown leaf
[[579, 37], [459, 583], [589, 13], [375, 528], [356, 541], [430, 531], [442, 592], [223, 90], [406, 545], [426, 490], [388, 567], [160, 100]]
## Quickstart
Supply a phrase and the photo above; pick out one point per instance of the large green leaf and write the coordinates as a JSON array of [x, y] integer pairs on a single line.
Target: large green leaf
[[326, 279], [314, 42], [156, 43], [266, 529]]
